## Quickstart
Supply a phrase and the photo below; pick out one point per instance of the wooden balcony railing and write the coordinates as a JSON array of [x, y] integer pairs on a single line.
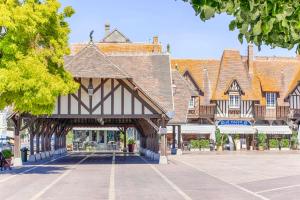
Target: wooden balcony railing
[[262, 112], [207, 111]]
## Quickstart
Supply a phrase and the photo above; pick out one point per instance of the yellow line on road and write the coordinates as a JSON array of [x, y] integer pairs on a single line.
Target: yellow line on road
[[38, 195], [112, 191]]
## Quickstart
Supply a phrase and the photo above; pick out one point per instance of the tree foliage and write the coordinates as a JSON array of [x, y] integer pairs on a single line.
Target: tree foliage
[[272, 22], [33, 42]]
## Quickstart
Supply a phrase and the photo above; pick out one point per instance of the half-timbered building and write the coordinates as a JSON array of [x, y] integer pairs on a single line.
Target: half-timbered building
[[243, 95]]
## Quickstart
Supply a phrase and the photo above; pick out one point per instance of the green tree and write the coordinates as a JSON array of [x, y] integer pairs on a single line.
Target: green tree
[[33, 42], [272, 22]]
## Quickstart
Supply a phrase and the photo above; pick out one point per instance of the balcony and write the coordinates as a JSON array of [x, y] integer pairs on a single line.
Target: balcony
[[207, 111], [264, 113]]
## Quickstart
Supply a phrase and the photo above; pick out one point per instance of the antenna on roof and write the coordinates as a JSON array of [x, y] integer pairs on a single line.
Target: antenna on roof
[[91, 36]]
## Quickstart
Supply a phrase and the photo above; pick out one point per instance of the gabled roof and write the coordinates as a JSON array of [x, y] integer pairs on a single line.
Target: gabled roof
[[115, 37], [91, 63], [190, 77], [151, 73], [232, 67], [234, 86]]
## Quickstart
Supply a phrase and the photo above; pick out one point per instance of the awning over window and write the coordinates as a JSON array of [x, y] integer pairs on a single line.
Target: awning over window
[[237, 129], [195, 129], [285, 130]]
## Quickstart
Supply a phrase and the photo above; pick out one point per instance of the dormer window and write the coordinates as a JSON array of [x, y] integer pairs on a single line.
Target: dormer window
[[192, 103], [234, 101], [271, 99]]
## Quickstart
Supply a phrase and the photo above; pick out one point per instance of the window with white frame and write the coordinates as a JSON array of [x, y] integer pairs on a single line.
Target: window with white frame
[[192, 103], [271, 99], [234, 101]]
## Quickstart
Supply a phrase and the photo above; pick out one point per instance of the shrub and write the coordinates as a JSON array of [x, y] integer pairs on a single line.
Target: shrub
[[294, 138], [194, 144], [273, 143], [285, 143], [7, 153], [204, 143], [261, 139]]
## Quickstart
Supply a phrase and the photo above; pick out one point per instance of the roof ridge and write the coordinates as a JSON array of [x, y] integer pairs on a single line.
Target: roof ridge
[[114, 30]]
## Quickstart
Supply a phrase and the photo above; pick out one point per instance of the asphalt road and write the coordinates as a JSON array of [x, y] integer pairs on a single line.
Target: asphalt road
[[117, 176]]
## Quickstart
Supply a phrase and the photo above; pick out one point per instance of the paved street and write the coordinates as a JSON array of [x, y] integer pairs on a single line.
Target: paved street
[[243, 175]]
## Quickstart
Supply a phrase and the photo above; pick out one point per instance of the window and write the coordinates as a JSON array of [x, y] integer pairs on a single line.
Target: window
[[271, 100], [234, 101], [192, 102]]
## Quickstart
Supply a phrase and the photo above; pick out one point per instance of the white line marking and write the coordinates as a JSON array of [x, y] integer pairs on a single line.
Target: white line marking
[[28, 170], [279, 188], [232, 184], [173, 185], [112, 190], [38, 195]]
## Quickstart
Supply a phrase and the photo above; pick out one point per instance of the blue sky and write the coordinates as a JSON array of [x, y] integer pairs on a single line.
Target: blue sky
[[174, 21]]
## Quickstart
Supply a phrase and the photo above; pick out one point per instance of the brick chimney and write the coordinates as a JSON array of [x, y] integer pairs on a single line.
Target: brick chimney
[[107, 29], [250, 58], [155, 40]]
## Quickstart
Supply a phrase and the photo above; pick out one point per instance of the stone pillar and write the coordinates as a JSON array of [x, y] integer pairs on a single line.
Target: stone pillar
[[163, 144]]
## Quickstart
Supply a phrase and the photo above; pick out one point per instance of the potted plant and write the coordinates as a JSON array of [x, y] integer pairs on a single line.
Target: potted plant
[[261, 139], [131, 143], [8, 156], [274, 144], [285, 144], [294, 140], [220, 139]]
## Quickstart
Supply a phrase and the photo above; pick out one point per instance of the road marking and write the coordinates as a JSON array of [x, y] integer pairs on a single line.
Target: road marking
[[232, 184], [173, 185], [112, 190], [279, 188], [28, 170], [38, 195]]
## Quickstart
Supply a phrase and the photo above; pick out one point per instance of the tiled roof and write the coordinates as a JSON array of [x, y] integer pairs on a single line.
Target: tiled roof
[[270, 74], [151, 73], [115, 36], [91, 63], [232, 68], [182, 95], [112, 48]]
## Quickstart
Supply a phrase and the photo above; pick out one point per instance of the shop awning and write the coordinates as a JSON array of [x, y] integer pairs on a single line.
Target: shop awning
[[284, 130], [195, 129], [237, 129]]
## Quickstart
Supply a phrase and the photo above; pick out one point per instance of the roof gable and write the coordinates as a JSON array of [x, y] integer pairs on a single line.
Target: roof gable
[[233, 68], [115, 37], [191, 80], [234, 86], [91, 63]]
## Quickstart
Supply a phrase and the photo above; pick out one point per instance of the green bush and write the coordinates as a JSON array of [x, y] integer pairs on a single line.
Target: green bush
[[273, 143], [7, 153], [194, 144], [261, 139], [204, 143], [294, 138], [285, 143]]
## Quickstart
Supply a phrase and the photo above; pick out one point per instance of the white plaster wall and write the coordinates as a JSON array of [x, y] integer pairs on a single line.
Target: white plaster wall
[[64, 105], [117, 101], [137, 107], [74, 106], [127, 102]]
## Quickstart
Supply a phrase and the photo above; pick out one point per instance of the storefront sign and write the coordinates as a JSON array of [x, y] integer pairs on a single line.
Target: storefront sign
[[234, 122]]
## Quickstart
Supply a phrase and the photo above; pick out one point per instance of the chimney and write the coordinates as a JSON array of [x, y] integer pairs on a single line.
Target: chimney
[[155, 40], [250, 58], [107, 29]]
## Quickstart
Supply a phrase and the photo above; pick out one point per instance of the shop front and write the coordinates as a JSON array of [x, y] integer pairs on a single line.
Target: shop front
[[241, 134]]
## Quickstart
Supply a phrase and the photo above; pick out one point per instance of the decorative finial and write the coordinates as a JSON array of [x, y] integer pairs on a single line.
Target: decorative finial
[[91, 35]]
